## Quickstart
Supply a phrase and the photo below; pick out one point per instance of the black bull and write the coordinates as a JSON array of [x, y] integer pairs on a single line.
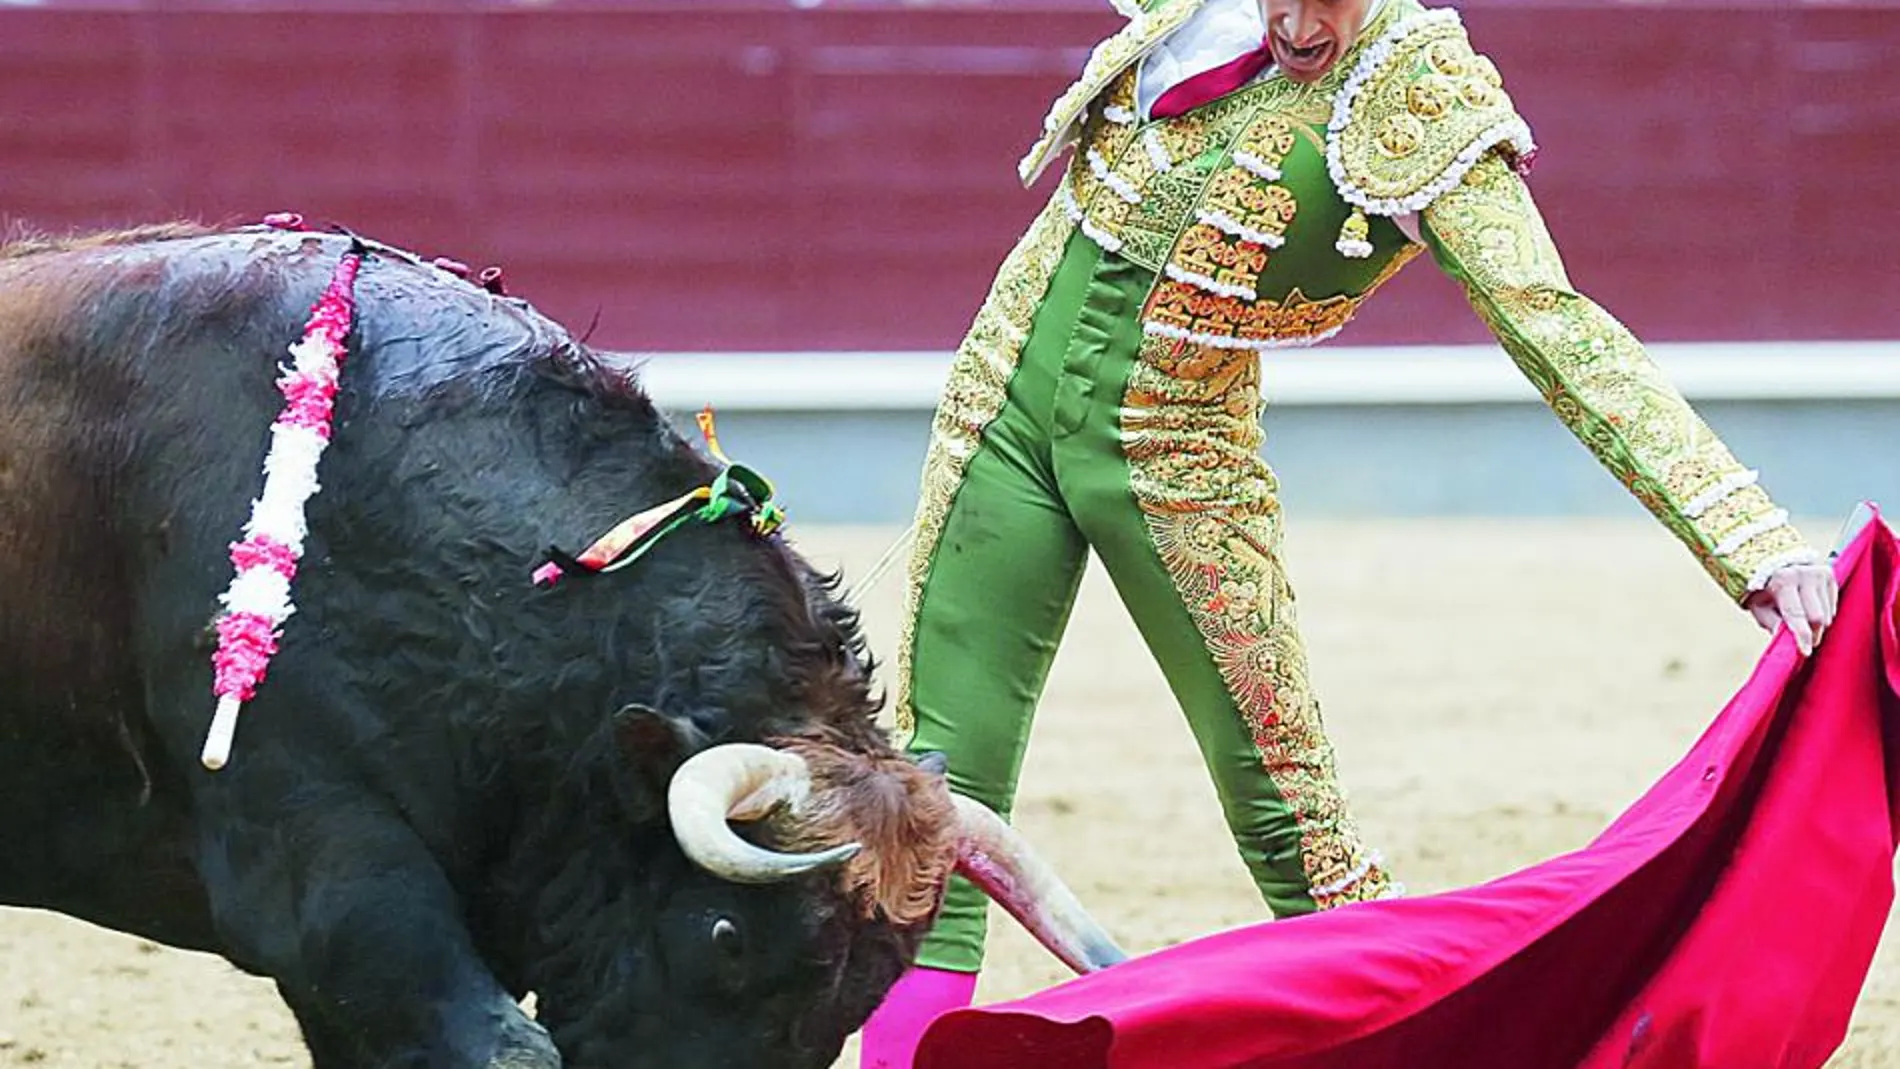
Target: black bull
[[453, 789]]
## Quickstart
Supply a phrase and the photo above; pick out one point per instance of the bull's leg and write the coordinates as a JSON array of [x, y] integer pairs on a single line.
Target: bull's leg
[[337, 1045], [328, 1045], [351, 915], [84, 833]]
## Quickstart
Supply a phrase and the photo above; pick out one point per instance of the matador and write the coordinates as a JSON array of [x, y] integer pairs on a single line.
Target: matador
[[1108, 398]]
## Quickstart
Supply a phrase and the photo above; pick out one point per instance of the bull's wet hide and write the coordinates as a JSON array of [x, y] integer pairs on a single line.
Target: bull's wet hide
[[1727, 919]]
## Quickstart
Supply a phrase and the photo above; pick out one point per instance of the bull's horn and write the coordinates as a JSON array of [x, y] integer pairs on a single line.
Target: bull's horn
[[1001, 862], [741, 781]]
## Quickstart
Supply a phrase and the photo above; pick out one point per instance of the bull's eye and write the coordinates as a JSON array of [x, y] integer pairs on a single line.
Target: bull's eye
[[726, 938], [729, 961]]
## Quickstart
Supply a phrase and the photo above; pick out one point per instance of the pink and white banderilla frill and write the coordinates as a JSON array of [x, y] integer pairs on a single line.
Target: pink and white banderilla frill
[[257, 602]]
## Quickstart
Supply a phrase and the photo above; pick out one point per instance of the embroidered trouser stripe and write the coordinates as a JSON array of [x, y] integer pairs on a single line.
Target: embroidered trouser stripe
[[972, 397], [1051, 479]]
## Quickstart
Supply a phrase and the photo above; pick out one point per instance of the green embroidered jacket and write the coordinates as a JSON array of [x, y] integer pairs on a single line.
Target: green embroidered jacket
[[1268, 216]]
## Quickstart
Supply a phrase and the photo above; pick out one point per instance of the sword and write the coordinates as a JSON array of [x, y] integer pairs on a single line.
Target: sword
[[1857, 522]]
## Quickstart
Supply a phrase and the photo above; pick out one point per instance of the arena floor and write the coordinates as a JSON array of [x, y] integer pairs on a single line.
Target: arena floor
[[1498, 691]]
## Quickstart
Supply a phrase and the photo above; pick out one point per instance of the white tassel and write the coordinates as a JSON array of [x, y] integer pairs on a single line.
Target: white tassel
[[1227, 224], [1122, 187], [1730, 484], [1748, 532], [1228, 341]]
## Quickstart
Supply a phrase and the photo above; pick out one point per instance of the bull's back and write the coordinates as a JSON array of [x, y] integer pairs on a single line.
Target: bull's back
[[141, 382], [106, 358], [62, 601]]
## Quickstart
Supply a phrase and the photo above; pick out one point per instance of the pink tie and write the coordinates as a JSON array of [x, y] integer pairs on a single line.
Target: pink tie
[[1213, 84]]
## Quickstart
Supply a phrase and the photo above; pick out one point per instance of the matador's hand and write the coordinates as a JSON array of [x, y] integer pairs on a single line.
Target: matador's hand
[[1803, 596]]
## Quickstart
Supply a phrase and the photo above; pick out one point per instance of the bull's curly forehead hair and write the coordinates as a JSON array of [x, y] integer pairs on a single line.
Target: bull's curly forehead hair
[[901, 813]]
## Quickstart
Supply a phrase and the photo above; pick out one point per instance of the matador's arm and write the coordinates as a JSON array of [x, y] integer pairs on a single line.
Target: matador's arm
[[1486, 232]]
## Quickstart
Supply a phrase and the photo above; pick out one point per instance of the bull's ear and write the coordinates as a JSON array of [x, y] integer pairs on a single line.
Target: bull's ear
[[652, 745]]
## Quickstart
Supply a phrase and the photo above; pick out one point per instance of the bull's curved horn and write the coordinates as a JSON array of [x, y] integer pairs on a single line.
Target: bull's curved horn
[[1001, 862], [741, 781]]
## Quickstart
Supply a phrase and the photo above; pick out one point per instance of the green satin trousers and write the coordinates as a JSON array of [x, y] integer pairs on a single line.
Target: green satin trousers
[[1050, 482]]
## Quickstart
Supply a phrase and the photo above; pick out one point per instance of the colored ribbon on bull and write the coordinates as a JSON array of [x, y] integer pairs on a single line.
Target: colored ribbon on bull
[[736, 491]]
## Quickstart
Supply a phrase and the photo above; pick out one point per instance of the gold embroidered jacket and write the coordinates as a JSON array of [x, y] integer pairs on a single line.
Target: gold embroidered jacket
[[1268, 217]]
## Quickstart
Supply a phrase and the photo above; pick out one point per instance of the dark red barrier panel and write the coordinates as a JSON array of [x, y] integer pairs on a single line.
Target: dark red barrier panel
[[734, 174]]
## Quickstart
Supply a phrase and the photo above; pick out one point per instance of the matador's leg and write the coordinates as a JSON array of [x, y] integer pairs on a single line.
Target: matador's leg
[[992, 582], [1166, 480]]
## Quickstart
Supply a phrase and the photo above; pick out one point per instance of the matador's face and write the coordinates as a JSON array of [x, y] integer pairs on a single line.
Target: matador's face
[[1309, 36]]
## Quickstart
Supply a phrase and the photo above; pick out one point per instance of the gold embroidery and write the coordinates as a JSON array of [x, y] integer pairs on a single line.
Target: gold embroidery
[[1181, 307], [1598, 380], [1210, 254], [1108, 140], [1108, 61], [1388, 158], [1701, 473], [1734, 512], [1268, 138], [1184, 138], [1486, 71], [1185, 307], [1090, 192], [1431, 96], [1111, 214], [1142, 232], [1447, 57], [1399, 135], [1253, 129], [1148, 232], [1193, 199], [1191, 433], [1120, 95], [1479, 94], [1191, 427], [1243, 198], [972, 397]]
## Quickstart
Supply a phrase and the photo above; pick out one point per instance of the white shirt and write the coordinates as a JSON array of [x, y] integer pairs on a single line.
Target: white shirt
[[1220, 31]]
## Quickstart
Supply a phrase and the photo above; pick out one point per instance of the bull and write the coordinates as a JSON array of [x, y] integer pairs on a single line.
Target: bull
[[659, 800]]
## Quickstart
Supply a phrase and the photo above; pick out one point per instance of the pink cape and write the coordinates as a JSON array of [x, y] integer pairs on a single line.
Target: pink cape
[[1727, 919]]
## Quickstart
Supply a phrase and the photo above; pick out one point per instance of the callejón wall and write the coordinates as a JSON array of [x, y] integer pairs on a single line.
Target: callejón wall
[[717, 174]]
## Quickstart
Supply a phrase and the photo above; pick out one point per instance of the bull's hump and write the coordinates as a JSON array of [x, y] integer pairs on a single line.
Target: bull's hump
[[422, 327], [418, 325]]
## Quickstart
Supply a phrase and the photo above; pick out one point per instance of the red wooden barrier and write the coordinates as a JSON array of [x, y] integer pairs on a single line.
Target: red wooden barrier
[[741, 174]]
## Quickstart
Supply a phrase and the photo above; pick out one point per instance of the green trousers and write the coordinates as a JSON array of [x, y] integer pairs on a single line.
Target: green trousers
[[1052, 477]]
